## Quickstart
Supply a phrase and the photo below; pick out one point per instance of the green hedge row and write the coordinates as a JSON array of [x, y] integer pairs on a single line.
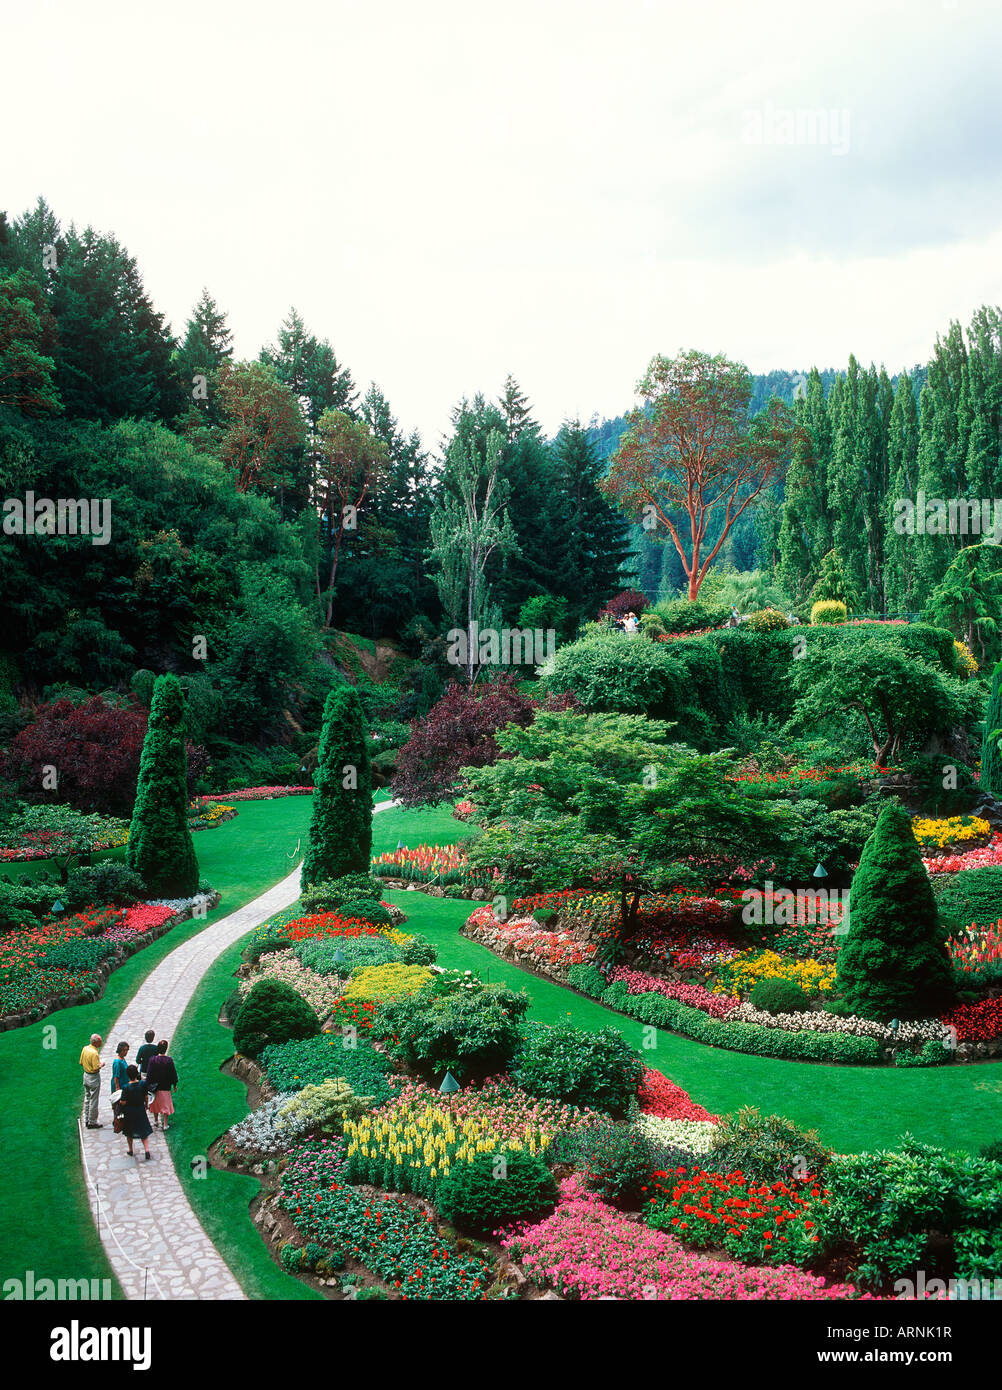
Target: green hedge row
[[743, 1037]]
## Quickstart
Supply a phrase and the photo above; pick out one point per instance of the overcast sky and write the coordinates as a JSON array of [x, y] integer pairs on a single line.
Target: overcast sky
[[454, 191]]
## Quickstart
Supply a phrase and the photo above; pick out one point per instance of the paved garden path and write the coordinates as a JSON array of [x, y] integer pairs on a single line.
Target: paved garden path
[[155, 1242]]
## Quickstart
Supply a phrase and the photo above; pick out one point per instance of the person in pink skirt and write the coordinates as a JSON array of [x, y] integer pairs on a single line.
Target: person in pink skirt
[[161, 1078]]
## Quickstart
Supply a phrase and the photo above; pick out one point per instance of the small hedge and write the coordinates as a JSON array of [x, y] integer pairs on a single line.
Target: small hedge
[[272, 1013], [750, 1037], [588, 980], [497, 1190]]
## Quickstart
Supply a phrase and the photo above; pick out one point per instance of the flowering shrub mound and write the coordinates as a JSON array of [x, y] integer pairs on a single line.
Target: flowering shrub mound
[[258, 794], [950, 830], [769, 1223], [696, 996], [586, 1249], [321, 992], [398, 1244], [58, 958], [657, 1095]]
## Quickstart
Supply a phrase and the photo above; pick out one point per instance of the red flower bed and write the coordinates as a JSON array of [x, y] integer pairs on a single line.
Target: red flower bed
[[659, 1096], [978, 1022], [973, 859], [258, 793]]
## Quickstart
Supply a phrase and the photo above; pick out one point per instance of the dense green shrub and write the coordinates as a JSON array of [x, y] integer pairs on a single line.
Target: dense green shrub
[[767, 1148], [588, 980], [329, 895], [992, 1150], [418, 951], [598, 1070], [778, 996], [497, 1190], [366, 910], [24, 903], [991, 754], [160, 847], [969, 896], [107, 882], [896, 1208], [617, 1160], [272, 1013], [309, 1062], [766, 620], [340, 836], [894, 961], [473, 1033], [926, 775], [932, 1053], [232, 1005], [690, 615]]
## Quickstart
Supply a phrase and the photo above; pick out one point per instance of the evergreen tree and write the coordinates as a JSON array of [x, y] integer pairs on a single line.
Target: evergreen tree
[[991, 757], [160, 847], [206, 345], [340, 840], [589, 548], [516, 410], [902, 463], [894, 961], [835, 583], [26, 334]]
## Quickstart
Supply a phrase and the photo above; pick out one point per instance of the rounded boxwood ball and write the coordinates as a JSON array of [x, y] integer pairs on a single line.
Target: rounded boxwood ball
[[497, 1190]]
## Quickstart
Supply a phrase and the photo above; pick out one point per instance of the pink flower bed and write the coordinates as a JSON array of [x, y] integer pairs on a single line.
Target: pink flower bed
[[586, 1249], [659, 1096], [258, 793], [716, 1005], [973, 859], [683, 949], [550, 950]]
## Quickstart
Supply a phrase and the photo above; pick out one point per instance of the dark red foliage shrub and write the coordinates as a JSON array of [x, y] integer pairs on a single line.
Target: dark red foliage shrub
[[94, 748], [629, 601], [459, 731]]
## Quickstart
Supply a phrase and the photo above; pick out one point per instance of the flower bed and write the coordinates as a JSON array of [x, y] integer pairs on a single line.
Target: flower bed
[[756, 1222], [321, 992], [971, 859], [970, 951], [696, 996], [818, 1021], [694, 1136], [951, 830], [258, 794], [49, 832], [203, 814], [586, 1249], [977, 1022], [740, 975], [660, 1097], [524, 942], [439, 864], [66, 960], [397, 1243]]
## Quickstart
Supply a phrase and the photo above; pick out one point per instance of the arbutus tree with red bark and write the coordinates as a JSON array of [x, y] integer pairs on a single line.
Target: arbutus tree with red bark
[[692, 460], [351, 461]]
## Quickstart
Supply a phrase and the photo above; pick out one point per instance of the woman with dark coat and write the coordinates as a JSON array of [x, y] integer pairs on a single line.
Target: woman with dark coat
[[161, 1078], [135, 1124]]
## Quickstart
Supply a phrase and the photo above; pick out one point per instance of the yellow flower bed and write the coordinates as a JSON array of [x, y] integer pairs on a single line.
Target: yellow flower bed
[[409, 1147], [740, 975], [951, 830], [387, 981]]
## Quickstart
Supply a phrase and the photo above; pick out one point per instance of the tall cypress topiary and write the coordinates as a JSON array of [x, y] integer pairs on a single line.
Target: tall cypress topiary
[[894, 961], [991, 759], [341, 829], [160, 847]]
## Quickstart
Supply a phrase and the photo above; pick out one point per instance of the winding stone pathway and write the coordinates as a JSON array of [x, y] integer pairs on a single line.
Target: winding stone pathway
[[156, 1244]]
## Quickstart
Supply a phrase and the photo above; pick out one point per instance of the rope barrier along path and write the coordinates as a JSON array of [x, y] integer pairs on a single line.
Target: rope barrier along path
[[145, 1222]]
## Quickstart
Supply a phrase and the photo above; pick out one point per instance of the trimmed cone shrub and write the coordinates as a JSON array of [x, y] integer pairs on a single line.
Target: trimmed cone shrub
[[497, 1190], [991, 758], [272, 1013], [894, 961], [160, 848], [340, 839]]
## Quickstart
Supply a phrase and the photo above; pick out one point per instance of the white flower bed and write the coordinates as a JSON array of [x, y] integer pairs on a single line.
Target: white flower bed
[[321, 992], [823, 1022], [696, 1136], [181, 904]]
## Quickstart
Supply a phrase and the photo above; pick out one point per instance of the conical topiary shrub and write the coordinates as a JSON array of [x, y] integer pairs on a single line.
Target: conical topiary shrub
[[894, 961], [991, 760], [341, 829], [160, 847]]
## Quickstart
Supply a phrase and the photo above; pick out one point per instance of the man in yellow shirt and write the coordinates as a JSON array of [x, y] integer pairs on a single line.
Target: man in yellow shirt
[[91, 1062]]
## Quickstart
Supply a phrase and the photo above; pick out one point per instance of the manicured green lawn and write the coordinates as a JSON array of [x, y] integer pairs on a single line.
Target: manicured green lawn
[[47, 1222]]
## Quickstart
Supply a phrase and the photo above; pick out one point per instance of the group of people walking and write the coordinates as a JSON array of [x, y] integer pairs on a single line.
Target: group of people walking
[[139, 1090]]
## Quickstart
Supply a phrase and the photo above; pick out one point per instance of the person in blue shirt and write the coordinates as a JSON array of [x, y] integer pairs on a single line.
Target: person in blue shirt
[[119, 1071]]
